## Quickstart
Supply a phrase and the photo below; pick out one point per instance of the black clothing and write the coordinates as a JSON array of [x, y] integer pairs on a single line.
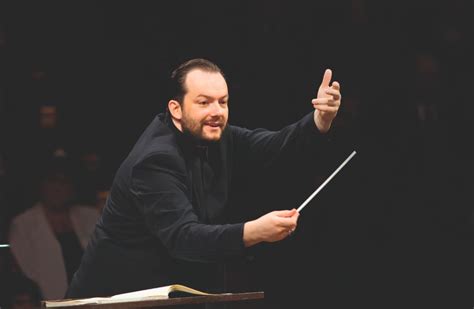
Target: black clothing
[[72, 252], [165, 219]]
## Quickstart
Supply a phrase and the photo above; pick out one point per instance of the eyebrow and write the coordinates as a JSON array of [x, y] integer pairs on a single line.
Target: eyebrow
[[210, 97]]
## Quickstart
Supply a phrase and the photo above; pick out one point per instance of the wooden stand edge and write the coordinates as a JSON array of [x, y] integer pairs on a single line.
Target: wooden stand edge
[[169, 302]]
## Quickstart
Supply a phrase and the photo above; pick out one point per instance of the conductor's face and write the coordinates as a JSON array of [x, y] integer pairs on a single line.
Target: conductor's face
[[204, 111]]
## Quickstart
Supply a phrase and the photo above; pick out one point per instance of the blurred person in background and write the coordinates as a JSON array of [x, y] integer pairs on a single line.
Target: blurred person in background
[[48, 239]]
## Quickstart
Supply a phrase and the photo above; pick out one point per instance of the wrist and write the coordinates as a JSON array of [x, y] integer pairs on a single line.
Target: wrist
[[250, 236], [322, 124]]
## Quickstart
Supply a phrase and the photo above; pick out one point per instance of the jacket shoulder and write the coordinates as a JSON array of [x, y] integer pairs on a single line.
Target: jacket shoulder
[[28, 216]]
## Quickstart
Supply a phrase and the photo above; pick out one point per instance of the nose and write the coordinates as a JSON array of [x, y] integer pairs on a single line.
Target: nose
[[216, 109]]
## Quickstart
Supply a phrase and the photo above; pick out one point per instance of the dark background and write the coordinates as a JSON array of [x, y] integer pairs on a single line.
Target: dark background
[[392, 229]]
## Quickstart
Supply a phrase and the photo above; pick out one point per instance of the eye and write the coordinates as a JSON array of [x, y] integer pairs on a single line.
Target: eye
[[203, 102], [223, 102]]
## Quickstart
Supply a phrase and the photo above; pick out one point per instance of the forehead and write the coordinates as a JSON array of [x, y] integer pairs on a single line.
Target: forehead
[[205, 83]]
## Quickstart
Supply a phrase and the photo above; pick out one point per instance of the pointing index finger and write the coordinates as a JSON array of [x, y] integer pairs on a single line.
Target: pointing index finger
[[326, 78]]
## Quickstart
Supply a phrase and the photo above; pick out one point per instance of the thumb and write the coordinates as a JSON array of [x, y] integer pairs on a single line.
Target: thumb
[[326, 78], [286, 213]]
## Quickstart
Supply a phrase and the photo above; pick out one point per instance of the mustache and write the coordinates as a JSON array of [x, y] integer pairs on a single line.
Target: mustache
[[215, 121]]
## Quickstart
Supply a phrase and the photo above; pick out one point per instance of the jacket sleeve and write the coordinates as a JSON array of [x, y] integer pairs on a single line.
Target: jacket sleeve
[[159, 185], [263, 147]]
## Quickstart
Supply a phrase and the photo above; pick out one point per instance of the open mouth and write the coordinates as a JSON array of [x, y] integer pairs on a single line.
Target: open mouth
[[214, 124]]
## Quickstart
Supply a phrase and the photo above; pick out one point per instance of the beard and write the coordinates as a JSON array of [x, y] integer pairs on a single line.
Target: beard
[[196, 128]]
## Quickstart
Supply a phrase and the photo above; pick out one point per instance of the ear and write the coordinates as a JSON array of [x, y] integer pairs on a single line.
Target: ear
[[175, 109]]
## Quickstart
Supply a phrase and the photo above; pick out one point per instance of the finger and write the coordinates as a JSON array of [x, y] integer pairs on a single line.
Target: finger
[[290, 232], [334, 93], [286, 222], [324, 101], [326, 108], [326, 78], [332, 104], [285, 213], [335, 85], [289, 222], [296, 215]]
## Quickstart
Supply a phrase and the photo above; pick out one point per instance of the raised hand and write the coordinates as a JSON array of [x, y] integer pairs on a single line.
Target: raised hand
[[327, 102]]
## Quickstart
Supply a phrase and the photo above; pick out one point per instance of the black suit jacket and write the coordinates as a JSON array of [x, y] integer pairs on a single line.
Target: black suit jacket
[[165, 220]]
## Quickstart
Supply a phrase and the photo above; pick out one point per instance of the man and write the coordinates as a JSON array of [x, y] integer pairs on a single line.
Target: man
[[165, 218]]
